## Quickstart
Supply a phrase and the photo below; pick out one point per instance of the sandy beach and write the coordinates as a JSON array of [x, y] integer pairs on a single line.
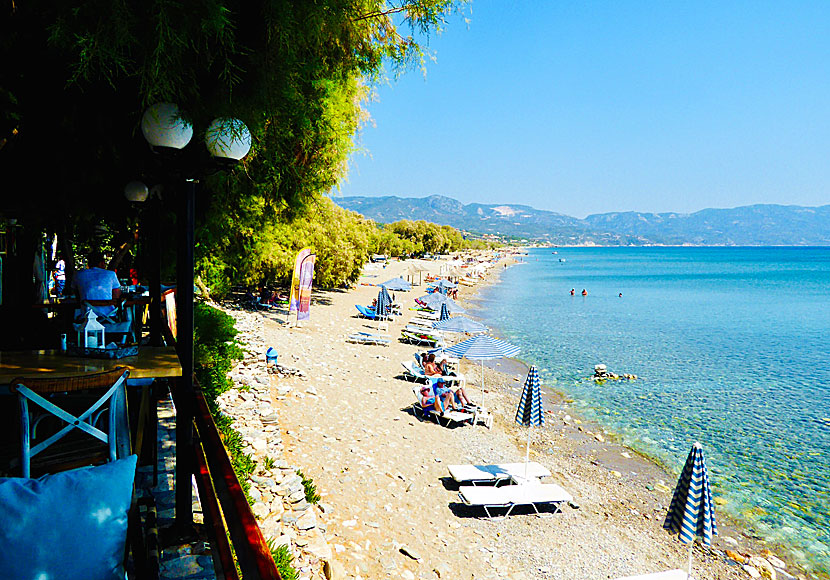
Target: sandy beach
[[388, 507]]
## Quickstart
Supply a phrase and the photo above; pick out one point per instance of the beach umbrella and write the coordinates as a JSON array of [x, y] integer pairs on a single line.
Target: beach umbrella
[[691, 512], [529, 412], [397, 285], [445, 314], [383, 305], [444, 285], [459, 324], [482, 348], [434, 301]]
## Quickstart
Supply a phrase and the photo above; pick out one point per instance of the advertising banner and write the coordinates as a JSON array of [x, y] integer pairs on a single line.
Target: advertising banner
[[306, 277], [294, 300]]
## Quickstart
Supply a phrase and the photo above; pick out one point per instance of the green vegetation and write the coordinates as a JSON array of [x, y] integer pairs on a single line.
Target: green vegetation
[[283, 559], [265, 248], [215, 350], [311, 495]]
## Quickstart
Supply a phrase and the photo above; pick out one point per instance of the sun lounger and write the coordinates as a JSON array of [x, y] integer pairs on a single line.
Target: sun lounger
[[498, 473], [369, 338], [449, 417], [414, 372], [509, 496], [422, 339], [368, 312], [667, 575]]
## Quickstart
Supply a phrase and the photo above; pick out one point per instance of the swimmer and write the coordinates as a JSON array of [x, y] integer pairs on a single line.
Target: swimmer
[[584, 292], [620, 294], [572, 291]]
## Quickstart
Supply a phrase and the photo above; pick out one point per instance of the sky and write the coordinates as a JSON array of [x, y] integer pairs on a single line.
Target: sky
[[586, 106]]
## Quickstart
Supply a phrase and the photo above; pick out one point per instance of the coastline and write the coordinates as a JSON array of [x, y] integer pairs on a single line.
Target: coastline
[[733, 532], [382, 473]]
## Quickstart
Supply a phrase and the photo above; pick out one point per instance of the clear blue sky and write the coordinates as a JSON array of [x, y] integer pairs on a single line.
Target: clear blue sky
[[596, 106]]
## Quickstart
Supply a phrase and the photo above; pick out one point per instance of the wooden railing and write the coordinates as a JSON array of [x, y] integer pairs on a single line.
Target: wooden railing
[[226, 509]]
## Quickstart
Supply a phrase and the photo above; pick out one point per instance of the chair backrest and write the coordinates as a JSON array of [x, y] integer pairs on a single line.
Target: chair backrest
[[42, 392]]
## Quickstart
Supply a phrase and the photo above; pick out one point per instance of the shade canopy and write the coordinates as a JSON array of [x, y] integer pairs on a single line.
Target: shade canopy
[[459, 324], [529, 412], [435, 301], [483, 347], [692, 512], [397, 285]]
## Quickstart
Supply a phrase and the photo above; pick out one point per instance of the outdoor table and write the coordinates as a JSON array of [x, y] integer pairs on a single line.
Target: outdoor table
[[151, 362]]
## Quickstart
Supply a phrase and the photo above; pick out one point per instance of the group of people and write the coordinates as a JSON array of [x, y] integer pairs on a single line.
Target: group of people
[[584, 292], [437, 394]]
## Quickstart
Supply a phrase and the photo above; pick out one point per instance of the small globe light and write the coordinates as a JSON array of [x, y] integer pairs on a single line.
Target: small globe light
[[163, 127], [228, 138], [136, 191]]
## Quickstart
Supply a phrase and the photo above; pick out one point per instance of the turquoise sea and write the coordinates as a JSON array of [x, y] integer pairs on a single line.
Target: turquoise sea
[[732, 347]]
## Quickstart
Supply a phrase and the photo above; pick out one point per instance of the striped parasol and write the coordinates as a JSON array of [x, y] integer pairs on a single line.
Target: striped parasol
[[445, 314], [435, 300], [692, 512], [482, 348], [383, 306], [459, 324], [529, 412]]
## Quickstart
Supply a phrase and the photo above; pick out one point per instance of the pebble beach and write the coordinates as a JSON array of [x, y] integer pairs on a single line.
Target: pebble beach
[[342, 414]]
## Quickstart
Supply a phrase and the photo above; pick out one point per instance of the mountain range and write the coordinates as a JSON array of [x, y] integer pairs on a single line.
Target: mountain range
[[753, 225]]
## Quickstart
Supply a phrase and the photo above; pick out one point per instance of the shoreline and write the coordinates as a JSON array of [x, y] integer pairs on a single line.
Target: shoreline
[[729, 526], [382, 472]]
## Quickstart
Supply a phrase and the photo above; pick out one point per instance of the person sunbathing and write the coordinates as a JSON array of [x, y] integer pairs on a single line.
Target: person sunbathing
[[431, 369], [433, 398]]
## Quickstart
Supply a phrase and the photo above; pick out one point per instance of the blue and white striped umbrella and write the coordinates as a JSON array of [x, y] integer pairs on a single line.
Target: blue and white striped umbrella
[[397, 285], [692, 512], [445, 314], [435, 301], [460, 324], [529, 412], [383, 304], [482, 348]]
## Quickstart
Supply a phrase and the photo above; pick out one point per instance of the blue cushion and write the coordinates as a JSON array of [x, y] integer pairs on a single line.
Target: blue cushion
[[67, 526]]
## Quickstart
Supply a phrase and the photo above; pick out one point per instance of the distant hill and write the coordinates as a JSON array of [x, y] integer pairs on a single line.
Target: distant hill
[[754, 225]]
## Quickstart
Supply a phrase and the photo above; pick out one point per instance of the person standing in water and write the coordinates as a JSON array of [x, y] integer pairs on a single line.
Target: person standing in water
[[584, 292], [572, 291]]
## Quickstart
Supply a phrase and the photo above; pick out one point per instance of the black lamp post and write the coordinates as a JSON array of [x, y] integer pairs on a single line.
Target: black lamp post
[[228, 141]]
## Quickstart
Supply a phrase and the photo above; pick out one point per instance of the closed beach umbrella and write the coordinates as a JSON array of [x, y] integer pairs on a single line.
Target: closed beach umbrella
[[529, 412], [445, 314], [397, 285], [692, 512], [383, 304], [482, 348], [459, 324]]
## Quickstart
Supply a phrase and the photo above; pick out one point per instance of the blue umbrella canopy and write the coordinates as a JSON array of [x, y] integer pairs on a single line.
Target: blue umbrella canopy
[[529, 412], [435, 301], [444, 285], [459, 324], [397, 285], [692, 512], [445, 314], [384, 303], [483, 347]]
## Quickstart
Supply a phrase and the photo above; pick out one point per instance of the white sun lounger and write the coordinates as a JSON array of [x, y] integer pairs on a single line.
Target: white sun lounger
[[449, 417], [498, 473], [509, 496], [667, 575], [369, 338]]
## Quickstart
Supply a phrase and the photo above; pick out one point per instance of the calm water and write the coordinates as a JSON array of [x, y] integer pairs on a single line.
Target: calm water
[[731, 347]]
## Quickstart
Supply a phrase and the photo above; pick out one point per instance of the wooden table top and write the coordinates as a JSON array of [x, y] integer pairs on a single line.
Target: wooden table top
[[150, 362]]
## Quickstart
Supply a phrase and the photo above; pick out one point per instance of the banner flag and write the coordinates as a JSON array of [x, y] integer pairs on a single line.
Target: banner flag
[[306, 277], [294, 300]]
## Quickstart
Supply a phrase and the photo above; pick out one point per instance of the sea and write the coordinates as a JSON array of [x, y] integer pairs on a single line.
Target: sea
[[731, 347]]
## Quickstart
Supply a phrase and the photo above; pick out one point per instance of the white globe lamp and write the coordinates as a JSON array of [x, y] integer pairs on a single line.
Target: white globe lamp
[[228, 138], [163, 127], [136, 191]]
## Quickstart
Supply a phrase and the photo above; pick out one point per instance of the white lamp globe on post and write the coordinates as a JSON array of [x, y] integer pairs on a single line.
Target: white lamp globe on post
[[163, 126], [228, 138], [136, 191]]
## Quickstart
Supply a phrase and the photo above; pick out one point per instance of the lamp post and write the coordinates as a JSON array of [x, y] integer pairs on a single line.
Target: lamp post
[[228, 141]]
